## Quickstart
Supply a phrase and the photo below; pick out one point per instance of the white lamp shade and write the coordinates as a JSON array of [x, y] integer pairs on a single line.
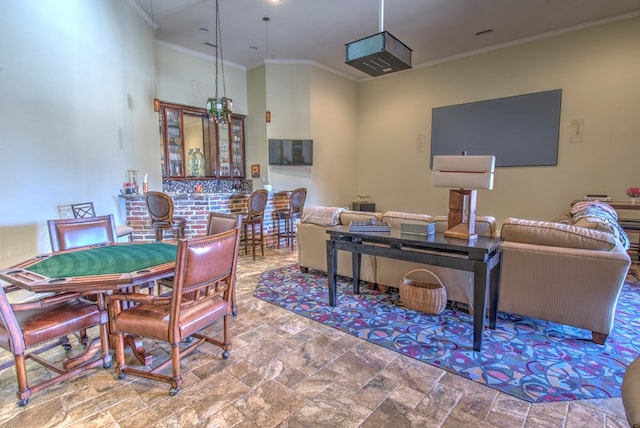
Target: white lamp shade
[[468, 172]]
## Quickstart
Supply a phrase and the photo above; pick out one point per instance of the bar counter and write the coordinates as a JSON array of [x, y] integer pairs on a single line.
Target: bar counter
[[196, 206]]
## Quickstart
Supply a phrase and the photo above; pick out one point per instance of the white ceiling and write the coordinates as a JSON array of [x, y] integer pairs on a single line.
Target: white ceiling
[[317, 30]]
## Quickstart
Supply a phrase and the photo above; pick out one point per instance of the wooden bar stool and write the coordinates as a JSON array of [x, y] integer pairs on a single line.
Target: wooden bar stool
[[289, 215], [256, 206], [160, 207]]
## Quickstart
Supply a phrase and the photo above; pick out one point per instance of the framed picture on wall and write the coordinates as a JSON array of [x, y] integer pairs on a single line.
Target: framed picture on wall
[[255, 171]]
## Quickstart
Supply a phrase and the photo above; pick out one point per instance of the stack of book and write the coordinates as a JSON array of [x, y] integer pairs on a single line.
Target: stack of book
[[418, 229], [368, 226], [590, 197]]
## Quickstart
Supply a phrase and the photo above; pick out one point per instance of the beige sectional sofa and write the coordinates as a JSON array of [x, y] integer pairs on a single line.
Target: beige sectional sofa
[[568, 271]]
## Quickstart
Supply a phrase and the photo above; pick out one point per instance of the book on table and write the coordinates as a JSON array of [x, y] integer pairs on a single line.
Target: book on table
[[369, 226]]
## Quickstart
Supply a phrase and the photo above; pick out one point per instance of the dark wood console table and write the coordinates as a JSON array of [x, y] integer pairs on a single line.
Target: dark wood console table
[[480, 256]]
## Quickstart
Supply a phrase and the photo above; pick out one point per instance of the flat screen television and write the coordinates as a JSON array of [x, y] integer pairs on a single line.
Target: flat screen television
[[521, 130], [290, 152]]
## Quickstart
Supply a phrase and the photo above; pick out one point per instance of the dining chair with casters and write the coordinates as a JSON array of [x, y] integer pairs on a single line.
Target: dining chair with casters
[[160, 207], [70, 233], [216, 223], [86, 209], [30, 328], [256, 206], [290, 215], [201, 294]]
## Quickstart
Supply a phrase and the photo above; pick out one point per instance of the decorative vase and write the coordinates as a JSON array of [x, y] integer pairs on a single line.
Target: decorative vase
[[197, 163], [632, 201]]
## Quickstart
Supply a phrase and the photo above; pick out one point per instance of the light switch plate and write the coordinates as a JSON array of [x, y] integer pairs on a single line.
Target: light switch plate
[[420, 143], [577, 131]]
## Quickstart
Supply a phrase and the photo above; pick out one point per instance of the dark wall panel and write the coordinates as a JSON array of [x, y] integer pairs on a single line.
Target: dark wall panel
[[522, 130]]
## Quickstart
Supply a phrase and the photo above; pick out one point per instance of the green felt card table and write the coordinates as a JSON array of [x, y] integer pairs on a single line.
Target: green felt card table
[[96, 269]]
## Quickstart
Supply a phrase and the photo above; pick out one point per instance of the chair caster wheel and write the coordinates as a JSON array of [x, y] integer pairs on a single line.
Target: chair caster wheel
[[187, 339], [225, 355], [234, 313], [122, 376], [23, 403], [106, 365], [173, 391], [67, 347]]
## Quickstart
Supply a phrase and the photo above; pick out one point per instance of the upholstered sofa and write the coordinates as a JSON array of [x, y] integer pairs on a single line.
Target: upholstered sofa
[[631, 393], [569, 270]]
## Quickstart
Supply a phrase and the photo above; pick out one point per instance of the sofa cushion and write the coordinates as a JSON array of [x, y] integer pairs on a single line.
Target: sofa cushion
[[347, 216], [485, 225], [555, 235], [396, 218], [322, 216]]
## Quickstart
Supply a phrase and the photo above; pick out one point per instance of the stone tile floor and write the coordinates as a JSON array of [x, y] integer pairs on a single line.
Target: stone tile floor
[[288, 371]]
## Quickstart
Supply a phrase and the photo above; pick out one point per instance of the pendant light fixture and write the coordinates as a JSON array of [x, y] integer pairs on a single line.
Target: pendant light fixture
[[267, 115], [156, 100], [219, 108]]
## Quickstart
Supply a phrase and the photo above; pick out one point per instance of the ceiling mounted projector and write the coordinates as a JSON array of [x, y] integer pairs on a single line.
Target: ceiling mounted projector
[[379, 54]]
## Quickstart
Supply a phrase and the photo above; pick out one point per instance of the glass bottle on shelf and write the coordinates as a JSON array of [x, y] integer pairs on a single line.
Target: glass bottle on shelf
[[237, 147], [225, 153], [190, 162], [197, 163]]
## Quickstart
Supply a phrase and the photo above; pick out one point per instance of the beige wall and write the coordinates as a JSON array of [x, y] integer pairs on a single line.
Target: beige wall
[[307, 102], [597, 69]]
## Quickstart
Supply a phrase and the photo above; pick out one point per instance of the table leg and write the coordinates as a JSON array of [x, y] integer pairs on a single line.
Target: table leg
[[494, 292], [480, 281], [332, 261], [355, 262]]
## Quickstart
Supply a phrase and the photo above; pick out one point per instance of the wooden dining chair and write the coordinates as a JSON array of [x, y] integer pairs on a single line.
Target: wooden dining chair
[[290, 215], [69, 233], [160, 207], [86, 209], [216, 223], [28, 329], [256, 206], [201, 295]]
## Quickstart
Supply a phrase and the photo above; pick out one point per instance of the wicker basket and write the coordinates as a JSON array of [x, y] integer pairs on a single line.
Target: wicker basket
[[423, 291]]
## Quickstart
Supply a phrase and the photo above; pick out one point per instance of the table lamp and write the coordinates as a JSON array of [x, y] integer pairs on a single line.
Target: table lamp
[[464, 174]]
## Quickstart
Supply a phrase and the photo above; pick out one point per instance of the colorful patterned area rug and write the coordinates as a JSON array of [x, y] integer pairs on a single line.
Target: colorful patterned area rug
[[531, 359]]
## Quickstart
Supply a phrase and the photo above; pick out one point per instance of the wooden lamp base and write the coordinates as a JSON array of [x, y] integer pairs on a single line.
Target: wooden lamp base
[[462, 214]]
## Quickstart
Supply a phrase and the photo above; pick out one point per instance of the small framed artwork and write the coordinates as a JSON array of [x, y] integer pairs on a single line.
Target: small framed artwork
[[255, 171]]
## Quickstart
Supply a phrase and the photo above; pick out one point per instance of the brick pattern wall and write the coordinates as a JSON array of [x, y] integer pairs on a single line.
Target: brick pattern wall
[[195, 207]]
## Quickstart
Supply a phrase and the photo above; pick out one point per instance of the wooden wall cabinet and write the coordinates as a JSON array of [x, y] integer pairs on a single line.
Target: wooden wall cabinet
[[185, 130]]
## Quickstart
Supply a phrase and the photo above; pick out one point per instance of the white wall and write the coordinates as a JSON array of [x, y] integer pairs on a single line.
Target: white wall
[[76, 79], [597, 69]]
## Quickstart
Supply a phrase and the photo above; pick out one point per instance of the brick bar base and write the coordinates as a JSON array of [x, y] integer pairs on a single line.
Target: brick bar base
[[195, 207]]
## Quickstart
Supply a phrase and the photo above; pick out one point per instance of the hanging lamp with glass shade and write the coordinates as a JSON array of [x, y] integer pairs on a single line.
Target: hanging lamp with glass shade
[[220, 107]]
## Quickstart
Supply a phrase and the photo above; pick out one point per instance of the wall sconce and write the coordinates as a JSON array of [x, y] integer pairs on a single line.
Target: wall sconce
[[464, 174]]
